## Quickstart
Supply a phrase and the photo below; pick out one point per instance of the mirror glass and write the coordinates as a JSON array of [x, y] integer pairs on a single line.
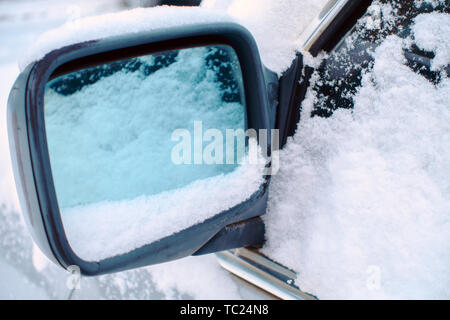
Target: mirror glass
[[143, 147]]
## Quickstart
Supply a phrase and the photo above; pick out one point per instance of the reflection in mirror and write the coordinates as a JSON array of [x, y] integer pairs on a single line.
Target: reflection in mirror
[[140, 148]]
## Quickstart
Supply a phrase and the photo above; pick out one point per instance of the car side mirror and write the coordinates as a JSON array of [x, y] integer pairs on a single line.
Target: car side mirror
[[142, 148]]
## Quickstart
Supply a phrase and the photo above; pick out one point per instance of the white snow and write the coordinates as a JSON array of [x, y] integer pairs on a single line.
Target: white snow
[[16, 286], [433, 3], [8, 194], [110, 149], [361, 205], [199, 277], [105, 229], [120, 23], [276, 25], [430, 32]]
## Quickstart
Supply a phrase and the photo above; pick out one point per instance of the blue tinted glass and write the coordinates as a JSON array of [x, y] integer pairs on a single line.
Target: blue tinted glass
[[118, 130]]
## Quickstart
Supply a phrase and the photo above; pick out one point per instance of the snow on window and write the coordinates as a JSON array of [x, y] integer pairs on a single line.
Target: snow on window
[[361, 205]]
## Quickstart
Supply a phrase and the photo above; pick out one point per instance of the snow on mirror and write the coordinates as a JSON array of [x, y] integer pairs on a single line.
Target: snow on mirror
[[135, 147]]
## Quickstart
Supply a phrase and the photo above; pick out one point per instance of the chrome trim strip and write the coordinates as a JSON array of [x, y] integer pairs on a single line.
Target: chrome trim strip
[[262, 272], [320, 23]]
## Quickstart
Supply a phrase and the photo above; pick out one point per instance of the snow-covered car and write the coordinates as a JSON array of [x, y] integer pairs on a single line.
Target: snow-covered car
[[151, 135]]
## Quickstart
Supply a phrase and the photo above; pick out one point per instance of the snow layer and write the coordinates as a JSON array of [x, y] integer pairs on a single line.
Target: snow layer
[[112, 139], [114, 24], [276, 25], [430, 32], [361, 205]]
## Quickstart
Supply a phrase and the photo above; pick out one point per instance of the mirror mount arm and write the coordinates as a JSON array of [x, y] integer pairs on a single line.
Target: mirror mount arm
[[271, 79], [292, 89], [250, 232]]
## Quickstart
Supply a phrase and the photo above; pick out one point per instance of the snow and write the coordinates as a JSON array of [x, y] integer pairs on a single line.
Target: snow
[[201, 284], [120, 23], [276, 25], [35, 276], [199, 277], [130, 153], [105, 229], [16, 286], [429, 31], [361, 205]]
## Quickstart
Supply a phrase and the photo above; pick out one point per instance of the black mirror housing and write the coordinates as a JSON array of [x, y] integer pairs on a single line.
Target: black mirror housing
[[30, 157]]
